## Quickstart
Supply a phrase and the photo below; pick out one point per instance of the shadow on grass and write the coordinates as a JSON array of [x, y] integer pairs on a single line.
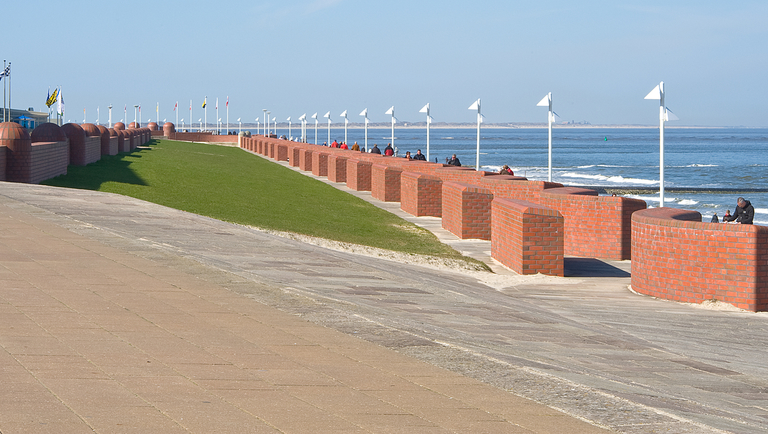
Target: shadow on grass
[[111, 168]]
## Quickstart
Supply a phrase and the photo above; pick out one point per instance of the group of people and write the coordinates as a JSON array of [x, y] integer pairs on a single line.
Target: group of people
[[744, 213]]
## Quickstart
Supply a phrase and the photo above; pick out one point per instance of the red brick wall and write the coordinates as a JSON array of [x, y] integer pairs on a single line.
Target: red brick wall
[[320, 163], [305, 160], [595, 226], [2, 163], [385, 182], [516, 187], [281, 152], [421, 194], [467, 210], [204, 137], [527, 237], [48, 160], [676, 256], [337, 168], [92, 149], [359, 174], [295, 156]]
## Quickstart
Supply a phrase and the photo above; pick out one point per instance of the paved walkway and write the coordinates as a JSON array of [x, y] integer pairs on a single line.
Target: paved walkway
[[111, 298], [94, 338]]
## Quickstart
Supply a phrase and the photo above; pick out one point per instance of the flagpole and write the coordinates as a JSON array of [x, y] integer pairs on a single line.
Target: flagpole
[[227, 114], [4, 119], [425, 109], [476, 105], [10, 107], [177, 113], [205, 109], [364, 113]]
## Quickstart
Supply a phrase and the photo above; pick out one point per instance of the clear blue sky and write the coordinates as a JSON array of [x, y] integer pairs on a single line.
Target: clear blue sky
[[598, 58]]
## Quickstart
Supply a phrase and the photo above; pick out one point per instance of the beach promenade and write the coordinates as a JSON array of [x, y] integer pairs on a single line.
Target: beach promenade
[[118, 315]]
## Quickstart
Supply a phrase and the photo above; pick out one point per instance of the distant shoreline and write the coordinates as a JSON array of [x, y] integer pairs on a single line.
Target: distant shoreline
[[448, 126]]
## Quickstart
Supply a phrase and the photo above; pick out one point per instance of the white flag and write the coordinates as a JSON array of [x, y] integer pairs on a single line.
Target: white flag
[[656, 92], [544, 102], [475, 105], [425, 109], [391, 111]]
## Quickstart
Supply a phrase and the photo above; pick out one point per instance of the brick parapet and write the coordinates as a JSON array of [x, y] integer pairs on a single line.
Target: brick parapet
[[337, 168], [48, 160], [305, 160], [680, 258], [359, 174], [3, 162], [466, 210], [527, 237], [320, 163], [385, 182], [421, 194], [595, 226]]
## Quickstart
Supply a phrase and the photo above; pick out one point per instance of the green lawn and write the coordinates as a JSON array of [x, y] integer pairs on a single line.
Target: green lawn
[[230, 184]]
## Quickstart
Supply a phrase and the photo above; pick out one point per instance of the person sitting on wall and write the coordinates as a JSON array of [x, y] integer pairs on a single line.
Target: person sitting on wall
[[744, 212], [375, 149], [454, 161], [355, 147], [505, 170], [325, 143], [335, 144], [408, 155], [343, 145], [419, 156], [727, 215], [389, 150], [715, 219]]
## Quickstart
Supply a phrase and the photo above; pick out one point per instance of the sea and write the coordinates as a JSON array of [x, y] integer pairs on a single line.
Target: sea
[[705, 169]]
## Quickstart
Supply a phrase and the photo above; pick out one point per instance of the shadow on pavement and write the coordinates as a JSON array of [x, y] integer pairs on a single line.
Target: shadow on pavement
[[589, 267]]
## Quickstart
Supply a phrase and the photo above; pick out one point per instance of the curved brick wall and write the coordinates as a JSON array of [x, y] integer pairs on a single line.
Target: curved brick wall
[[676, 256]]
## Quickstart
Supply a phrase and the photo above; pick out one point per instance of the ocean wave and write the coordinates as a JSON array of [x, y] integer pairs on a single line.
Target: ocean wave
[[617, 179], [701, 165], [761, 210], [650, 198], [688, 202]]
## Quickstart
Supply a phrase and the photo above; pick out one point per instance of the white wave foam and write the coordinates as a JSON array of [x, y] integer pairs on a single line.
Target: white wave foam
[[761, 210], [617, 179], [702, 165], [688, 202]]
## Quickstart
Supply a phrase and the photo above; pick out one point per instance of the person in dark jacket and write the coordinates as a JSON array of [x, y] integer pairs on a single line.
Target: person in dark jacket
[[715, 219], [454, 161], [419, 156], [743, 214], [389, 150], [375, 149]]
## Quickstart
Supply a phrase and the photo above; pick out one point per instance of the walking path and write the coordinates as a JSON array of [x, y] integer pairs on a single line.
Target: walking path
[[120, 315]]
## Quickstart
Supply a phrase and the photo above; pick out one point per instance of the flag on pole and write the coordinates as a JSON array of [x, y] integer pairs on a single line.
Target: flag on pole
[[205, 101], [227, 101], [6, 72], [61, 103], [52, 97], [175, 106], [217, 104]]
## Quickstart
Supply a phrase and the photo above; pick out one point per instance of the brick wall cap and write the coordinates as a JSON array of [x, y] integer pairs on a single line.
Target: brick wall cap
[[48, 132]]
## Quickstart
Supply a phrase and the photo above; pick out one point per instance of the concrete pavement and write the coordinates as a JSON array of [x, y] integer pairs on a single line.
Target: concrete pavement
[[584, 345]]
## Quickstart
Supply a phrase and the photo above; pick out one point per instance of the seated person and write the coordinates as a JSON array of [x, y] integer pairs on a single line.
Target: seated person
[[454, 161], [419, 156], [408, 155], [505, 170], [744, 212], [375, 149]]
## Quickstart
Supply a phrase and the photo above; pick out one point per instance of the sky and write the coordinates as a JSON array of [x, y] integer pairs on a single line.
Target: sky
[[598, 58]]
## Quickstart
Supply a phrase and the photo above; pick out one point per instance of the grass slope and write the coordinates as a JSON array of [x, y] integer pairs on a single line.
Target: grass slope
[[229, 184]]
